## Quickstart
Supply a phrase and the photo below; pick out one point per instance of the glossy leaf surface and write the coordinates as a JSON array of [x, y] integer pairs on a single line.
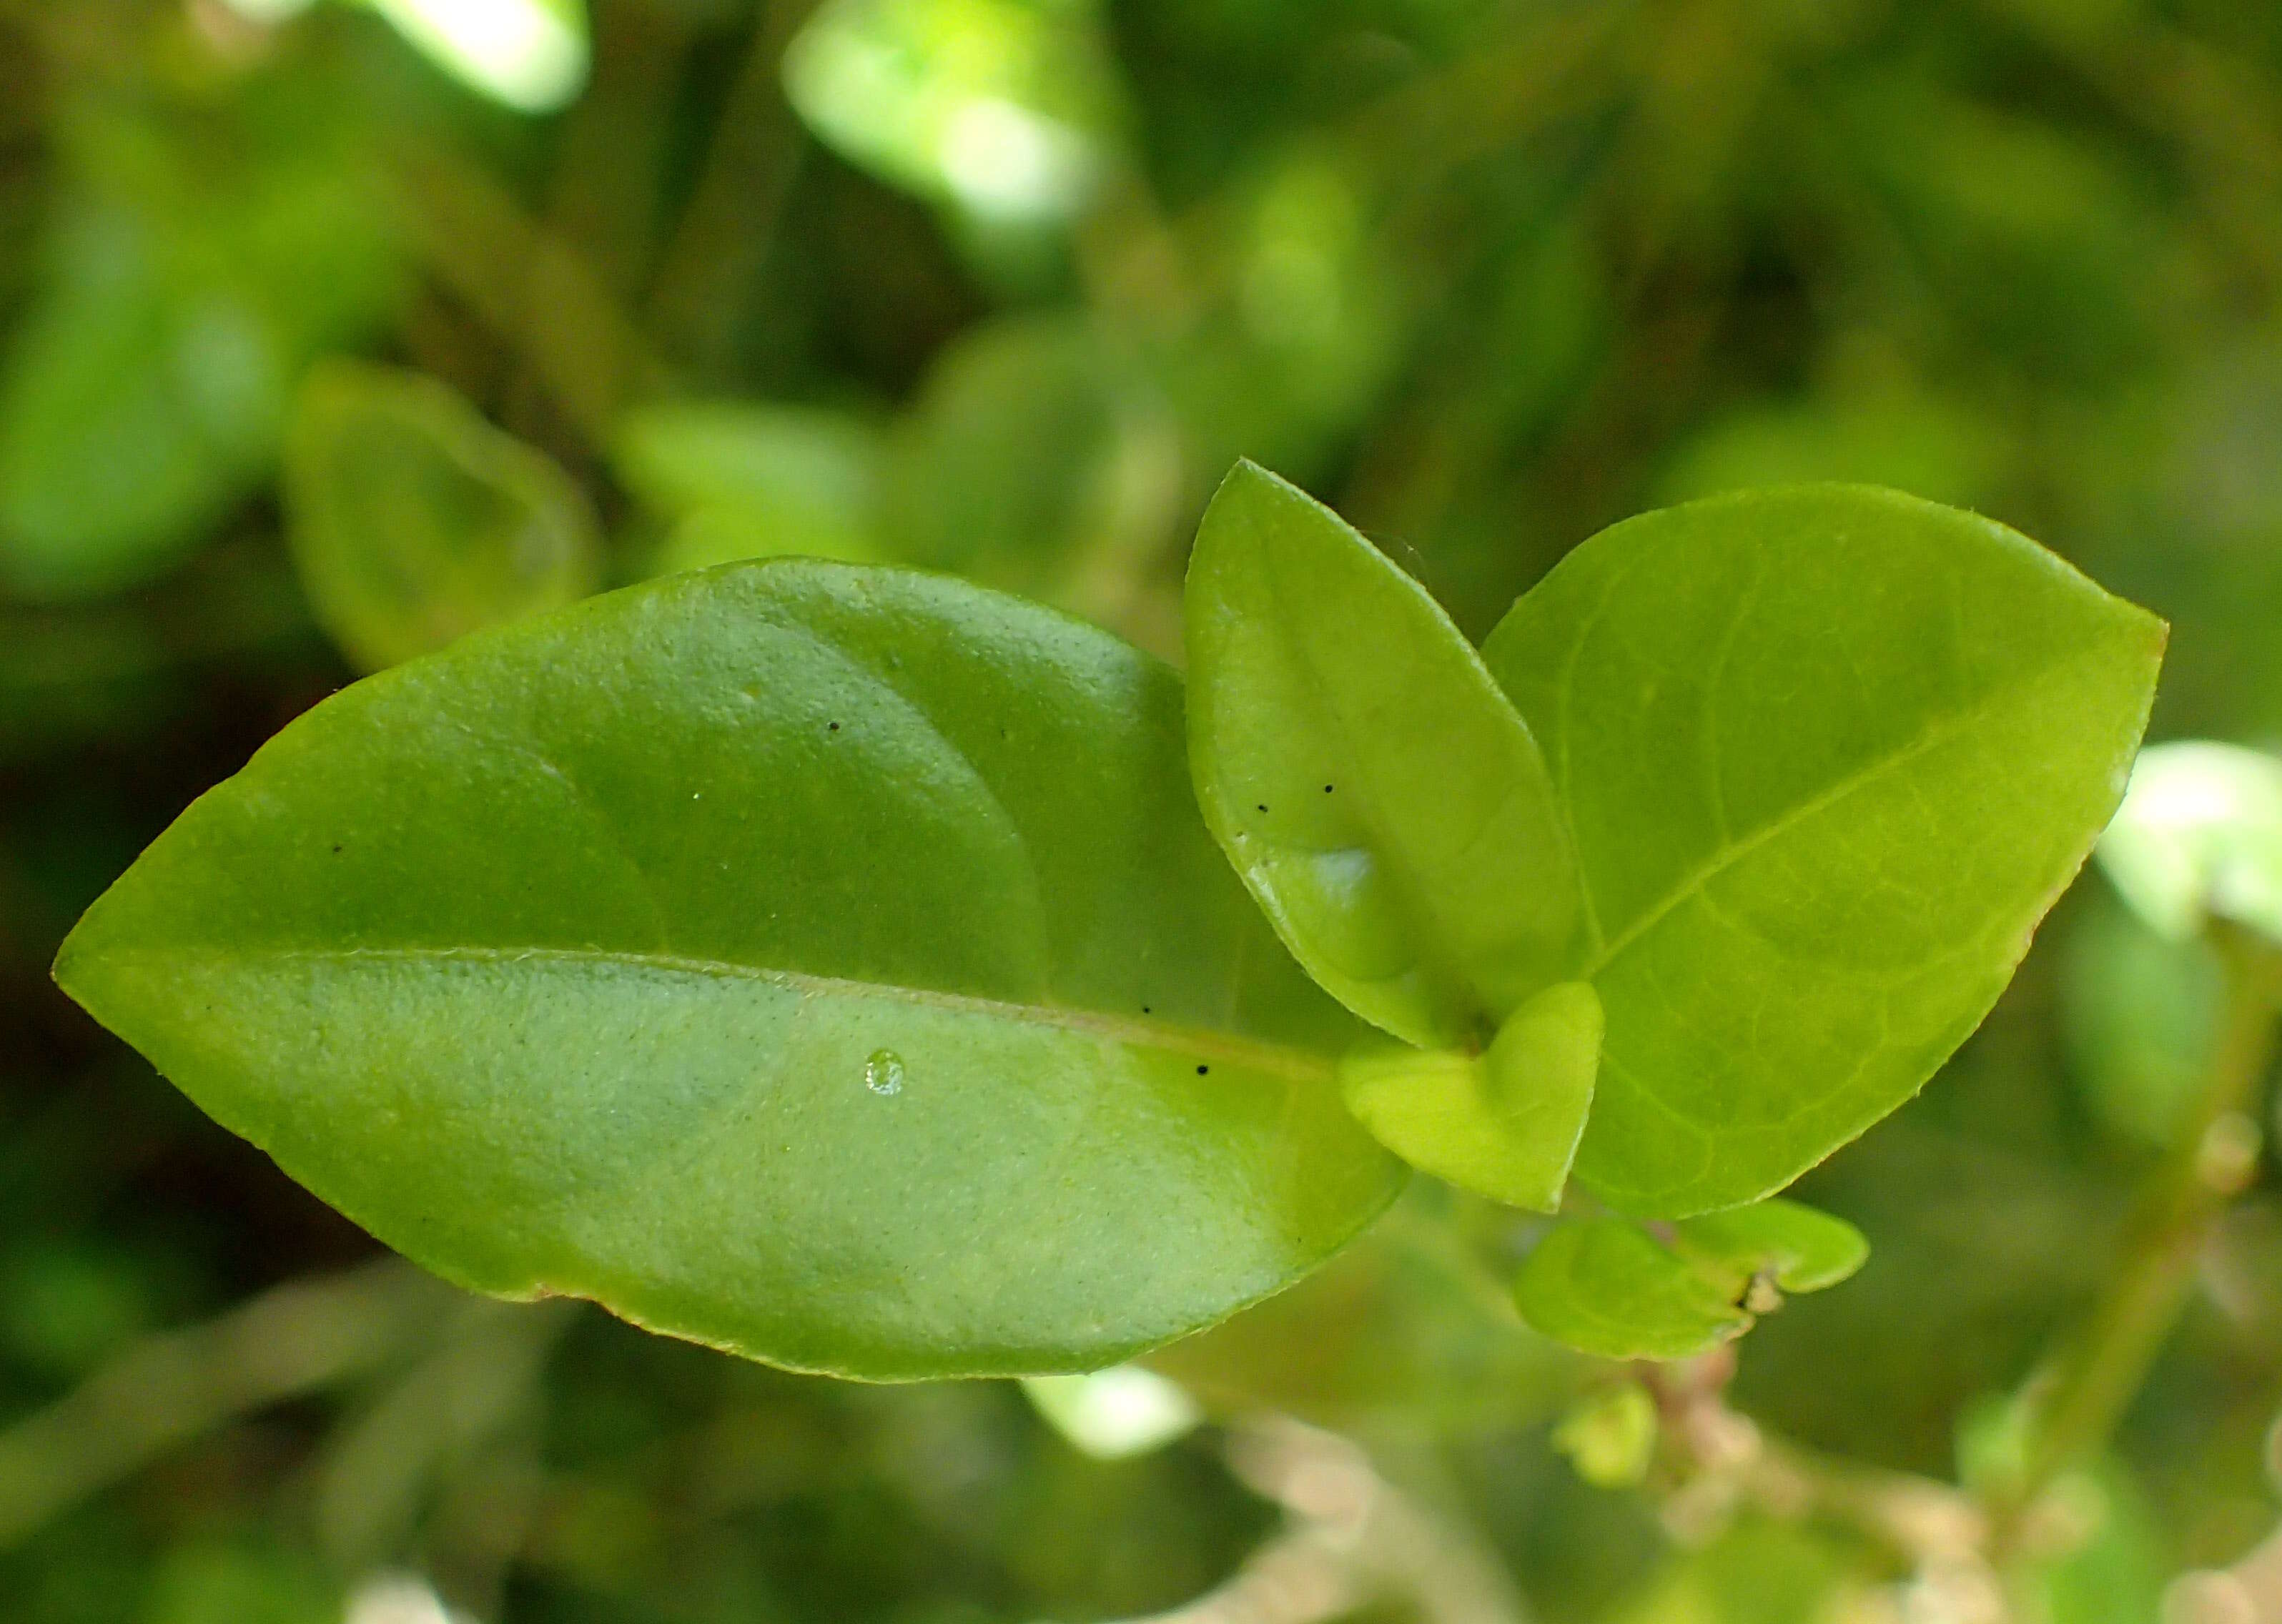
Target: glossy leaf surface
[[1361, 771], [415, 521], [1504, 1124], [823, 962], [1826, 755]]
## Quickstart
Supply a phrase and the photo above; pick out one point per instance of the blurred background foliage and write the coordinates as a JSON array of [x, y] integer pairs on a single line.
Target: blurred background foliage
[[331, 331]]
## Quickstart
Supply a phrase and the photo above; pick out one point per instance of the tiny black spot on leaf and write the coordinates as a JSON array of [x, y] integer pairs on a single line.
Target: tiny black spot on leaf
[[1202, 1069]]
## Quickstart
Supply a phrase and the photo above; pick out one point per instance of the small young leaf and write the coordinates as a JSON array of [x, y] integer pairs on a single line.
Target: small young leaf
[[822, 962], [1826, 755], [413, 522], [1359, 766], [1505, 1125], [2199, 832], [1609, 1436], [1795, 1247], [1604, 1286]]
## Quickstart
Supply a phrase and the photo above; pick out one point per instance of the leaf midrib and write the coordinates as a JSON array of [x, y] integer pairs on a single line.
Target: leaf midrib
[[1730, 853], [1294, 1065]]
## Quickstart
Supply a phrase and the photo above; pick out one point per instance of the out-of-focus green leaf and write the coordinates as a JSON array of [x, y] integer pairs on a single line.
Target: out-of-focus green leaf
[[146, 391], [820, 962], [1112, 1414], [415, 521], [1374, 789], [2199, 832], [2034, 232], [268, 13], [532, 55], [1005, 109], [1305, 329], [1036, 459], [1505, 1124], [1606, 1286], [744, 480], [205, 1583], [993, 464], [1401, 1331], [2104, 1556], [2117, 1566], [2139, 1015], [1927, 446], [130, 419], [1610, 1436], [64, 1306], [1828, 754], [1758, 1572]]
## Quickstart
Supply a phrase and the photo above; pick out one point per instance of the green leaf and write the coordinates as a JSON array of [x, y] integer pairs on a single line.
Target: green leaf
[[2140, 1020], [824, 964], [1036, 459], [1359, 766], [413, 522], [1826, 755], [1003, 108], [2199, 832], [1758, 1570], [1609, 1436], [1402, 1329], [532, 55], [1797, 1248], [1607, 1286], [753, 480], [132, 414], [189, 281], [1504, 1124], [1604, 1286], [1116, 1413]]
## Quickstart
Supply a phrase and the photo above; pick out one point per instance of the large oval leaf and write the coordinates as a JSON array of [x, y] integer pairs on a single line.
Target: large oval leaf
[[1826, 755], [827, 963]]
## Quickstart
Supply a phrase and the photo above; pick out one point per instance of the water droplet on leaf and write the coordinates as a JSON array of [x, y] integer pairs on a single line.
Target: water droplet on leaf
[[883, 1073]]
